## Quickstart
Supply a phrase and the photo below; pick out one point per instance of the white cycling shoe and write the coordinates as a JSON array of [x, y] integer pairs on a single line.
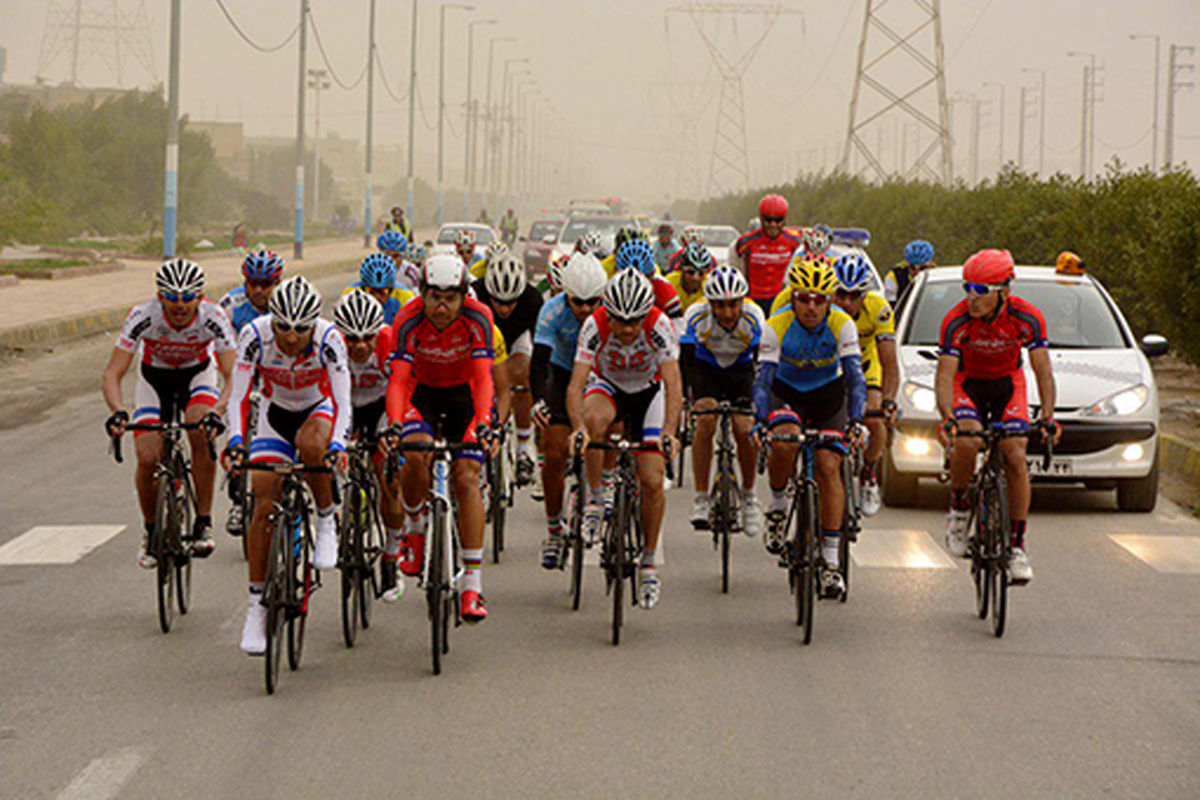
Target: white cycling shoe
[[752, 515], [699, 515], [956, 532], [1020, 572], [254, 632], [325, 549], [871, 502]]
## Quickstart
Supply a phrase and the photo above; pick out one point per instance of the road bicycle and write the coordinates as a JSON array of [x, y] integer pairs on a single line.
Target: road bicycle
[[360, 543], [725, 499]]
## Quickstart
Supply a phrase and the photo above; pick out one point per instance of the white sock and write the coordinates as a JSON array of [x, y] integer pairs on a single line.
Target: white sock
[[392, 548], [327, 511], [779, 499], [829, 549], [472, 570]]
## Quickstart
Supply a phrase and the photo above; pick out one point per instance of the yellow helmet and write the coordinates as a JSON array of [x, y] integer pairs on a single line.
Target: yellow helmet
[[1069, 264], [811, 272]]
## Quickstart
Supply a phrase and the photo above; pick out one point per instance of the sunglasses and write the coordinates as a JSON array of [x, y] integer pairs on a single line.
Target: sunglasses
[[582, 301], [693, 271], [257, 284], [351, 339], [810, 298], [982, 289], [772, 219], [283, 327], [179, 297], [856, 294]]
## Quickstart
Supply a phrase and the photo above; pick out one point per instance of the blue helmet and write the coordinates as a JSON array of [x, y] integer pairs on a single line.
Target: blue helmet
[[636, 254], [391, 241], [378, 271], [262, 265], [852, 272], [918, 252]]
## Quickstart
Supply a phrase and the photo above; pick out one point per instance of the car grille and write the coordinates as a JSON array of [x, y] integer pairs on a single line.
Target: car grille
[[1080, 438]]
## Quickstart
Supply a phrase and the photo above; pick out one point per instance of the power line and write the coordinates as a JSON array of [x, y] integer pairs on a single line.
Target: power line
[[1135, 143], [828, 57], [974, 25], [248, 40], [383, 77], [332, 72]]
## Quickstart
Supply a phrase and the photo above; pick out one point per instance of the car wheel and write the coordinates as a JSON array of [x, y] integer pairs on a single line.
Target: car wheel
[[1139, 494], [899, 490]]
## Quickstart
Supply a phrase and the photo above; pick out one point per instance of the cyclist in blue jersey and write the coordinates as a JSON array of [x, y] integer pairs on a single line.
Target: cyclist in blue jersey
[[262, 270], [377, 277], [554, 342], [810, 375]]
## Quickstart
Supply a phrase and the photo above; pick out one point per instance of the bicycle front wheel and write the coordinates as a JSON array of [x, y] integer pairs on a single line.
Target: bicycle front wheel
[[499, 503], [807, 543], [617, 564], [301, 572], [159, 546], [575, 528], [1000, 547], [349, 561], [435, 587], [275, 599]]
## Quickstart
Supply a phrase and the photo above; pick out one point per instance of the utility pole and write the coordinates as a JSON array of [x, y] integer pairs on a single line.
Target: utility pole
[[503, 118], [171, 184], [488, 130], [317, 82], [976, 124], [1021, 117], [412, 116], [1157, 81], [1041, 120], [1085, 128], [441, 177], [367, 213], [471, 117], [298, 235], [1174, 67], [999, 122]]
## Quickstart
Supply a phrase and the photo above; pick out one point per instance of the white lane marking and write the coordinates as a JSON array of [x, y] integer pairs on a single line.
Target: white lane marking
[[1179, 555], [56, 544], [103, 777], [899, 549]]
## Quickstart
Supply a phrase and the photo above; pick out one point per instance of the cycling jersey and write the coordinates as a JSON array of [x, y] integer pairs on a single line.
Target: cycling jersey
[[663, 254], [558, 329], [478, 267], [686, 299], [808, 359], [237, 306], [875, 323], [399, 298], [369, 379], [164, 345], [523, 319], [317, 377], [991, 348], [720, 347], [764, 260], [629, 368]]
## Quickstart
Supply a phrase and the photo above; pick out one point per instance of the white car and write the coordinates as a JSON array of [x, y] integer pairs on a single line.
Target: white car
[[718, 239], [1107, 402], [444, 241]]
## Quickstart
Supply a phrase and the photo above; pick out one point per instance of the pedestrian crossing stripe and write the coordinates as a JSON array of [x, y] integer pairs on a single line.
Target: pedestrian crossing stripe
[[56, 544], [1177, 555]]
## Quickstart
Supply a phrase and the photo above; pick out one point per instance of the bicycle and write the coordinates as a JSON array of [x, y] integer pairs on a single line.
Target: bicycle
[[174, 514], [574, 495], [442, 569], [687, 434], [802, 555], [291, 577], [237, 484], [361, 538], [499, 470], [990, 545], [725, 501]]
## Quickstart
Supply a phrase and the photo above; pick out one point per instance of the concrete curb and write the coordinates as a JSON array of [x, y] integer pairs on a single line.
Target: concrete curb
[[1181, 457], [65, 329], [63, 273]]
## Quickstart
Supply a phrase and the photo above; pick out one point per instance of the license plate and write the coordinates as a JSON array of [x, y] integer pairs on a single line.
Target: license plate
[[1059, 467]]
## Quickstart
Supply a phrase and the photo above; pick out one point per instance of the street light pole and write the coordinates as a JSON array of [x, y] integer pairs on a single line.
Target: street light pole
[[487, 129], [171, 179], [412, 115], [367, 213], [513, 111], [501, 115], [441, 196], [1000, 121], [1089, 73], [298, 234], [1154, 141], [317, 82], [469, 133], [1041, 120]]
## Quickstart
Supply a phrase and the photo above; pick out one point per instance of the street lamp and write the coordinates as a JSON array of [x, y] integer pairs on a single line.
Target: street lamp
[[442, 100], [318, 83], [1041, 119], [1154, 141], [519, 78], [469, 129], [1087, 127], [1001, 121], [488, 127], [503, 109]]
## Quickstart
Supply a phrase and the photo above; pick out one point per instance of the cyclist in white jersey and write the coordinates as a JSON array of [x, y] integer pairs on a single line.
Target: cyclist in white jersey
[[300, 360], [178, 332], [627, 371]]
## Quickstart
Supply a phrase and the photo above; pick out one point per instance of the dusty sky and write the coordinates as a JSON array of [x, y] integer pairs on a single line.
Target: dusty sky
[[636, 93]]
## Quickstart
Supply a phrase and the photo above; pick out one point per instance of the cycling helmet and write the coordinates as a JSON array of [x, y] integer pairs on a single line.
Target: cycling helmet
[[583, 277], [1069, 263], [391, 241], [852, 272], [697, 256], [691, 235], [444, 271], [180, 276], [989, 266], [417, 255], [636, 254], [262, 265], [815, 240], [628, 295], [821, 227], [811, 273], [358, 314], [505, 278], [555, 270], [918, 253], [465, 237], [295, 302], [378, 271], [754, 224], [772, 205], [494, 250], [628, 233], [590, 242], [725, 283]]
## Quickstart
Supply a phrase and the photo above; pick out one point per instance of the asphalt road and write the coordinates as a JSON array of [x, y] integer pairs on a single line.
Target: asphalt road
[[1093, 691]]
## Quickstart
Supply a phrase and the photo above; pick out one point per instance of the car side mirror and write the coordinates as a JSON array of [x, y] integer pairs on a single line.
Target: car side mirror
[[549, 238], [1154, 345]]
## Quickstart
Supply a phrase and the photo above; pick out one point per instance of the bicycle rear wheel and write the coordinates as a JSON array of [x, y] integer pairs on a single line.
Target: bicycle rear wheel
[[349, 561], [499, 503], [182, 559], [575, 540], [158, 546], [302, 586], [436, 590], [275, 599]]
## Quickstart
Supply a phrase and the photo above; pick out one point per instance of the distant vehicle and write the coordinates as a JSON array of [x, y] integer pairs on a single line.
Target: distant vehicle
[[1107, 401], [589, 207], [574, 227], [537, 250], [645, 222], [718, 239], [444, 241]]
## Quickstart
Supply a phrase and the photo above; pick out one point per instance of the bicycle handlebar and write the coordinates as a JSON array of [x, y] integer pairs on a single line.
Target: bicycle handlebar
[[723, 408], [159, 427], [625, 446]]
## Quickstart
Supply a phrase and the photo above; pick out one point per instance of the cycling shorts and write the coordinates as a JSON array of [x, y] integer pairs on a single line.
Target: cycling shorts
[[823, 408], [449, 408], [275, 433], [641, 412], [163, 394], [734, 383], [989, 400], [369, 419]]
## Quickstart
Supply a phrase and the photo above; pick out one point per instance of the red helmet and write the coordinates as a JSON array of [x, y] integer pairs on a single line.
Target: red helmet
[[989, 266], [772, 205]]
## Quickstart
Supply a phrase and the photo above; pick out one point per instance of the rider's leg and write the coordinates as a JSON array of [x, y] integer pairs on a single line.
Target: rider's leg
[[878, 430], [747, 452], [204, 467], [148, 446], [599, 412], [828, 471], [651, 467], [1016, 469], [555, 449], [702, 444]]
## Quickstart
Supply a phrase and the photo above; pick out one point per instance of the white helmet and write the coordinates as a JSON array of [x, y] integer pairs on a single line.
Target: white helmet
[[628, 295], [583, 277], [494, 250], [691, 234], [465, 237], [295, 302], [725, 283], [591, 242], [754, 224], [180, 276], [358, 314], [505, 278], [444, 271]]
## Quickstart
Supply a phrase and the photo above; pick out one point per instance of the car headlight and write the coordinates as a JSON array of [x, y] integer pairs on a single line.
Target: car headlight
[[921, 398], [1120, 404]]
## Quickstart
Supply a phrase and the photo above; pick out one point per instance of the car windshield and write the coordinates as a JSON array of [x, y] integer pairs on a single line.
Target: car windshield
[[447, 233], [605, 226], [1077, 316], [540, 229], [719, 237]]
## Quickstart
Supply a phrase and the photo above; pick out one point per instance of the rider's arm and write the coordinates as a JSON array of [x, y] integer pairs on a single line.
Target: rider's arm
[[1043, 373], [225, 361], [579, 378], [856, 386], [768, 363], [944, 384], [891, 367], [110, 379], [674, 385], [539, 371], [248, 351], [483, 386], [337, 367]]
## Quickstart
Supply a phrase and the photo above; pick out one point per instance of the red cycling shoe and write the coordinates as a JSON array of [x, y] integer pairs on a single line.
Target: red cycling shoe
[[472, 607], [412, 554]]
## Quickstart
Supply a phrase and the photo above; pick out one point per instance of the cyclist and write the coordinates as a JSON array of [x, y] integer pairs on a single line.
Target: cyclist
[[636, 255], [464, 246], [377, 277], [551, 283], [665, 247], [804, 261], [694, 262], [918, 257], [301, 362], [627, 370], [720, 342], [179, 333], [554, 344], [399, 223], [262, 270], [393, 244], [628, 233], [764, 254], [492, 252], [509, 227], [441, 365], [591, 242], [515, 305], [810, 371], [690, 236], [980, 380]]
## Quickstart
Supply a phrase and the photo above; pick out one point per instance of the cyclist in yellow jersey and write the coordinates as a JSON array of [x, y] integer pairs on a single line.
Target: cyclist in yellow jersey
[[688, 280], [623, 235]]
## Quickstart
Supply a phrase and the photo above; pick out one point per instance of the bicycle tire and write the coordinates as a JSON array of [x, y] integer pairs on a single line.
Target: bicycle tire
[[809, 542], [247, 516], [274, 597], [684, 441], [844, 559], [434, 584], [182, 557], [301, 591], [724, 524], [156, 545], [366, 585], [980, 566], [575, 534], [349, 560], [499, 499], [999, 583], [616, 535]]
